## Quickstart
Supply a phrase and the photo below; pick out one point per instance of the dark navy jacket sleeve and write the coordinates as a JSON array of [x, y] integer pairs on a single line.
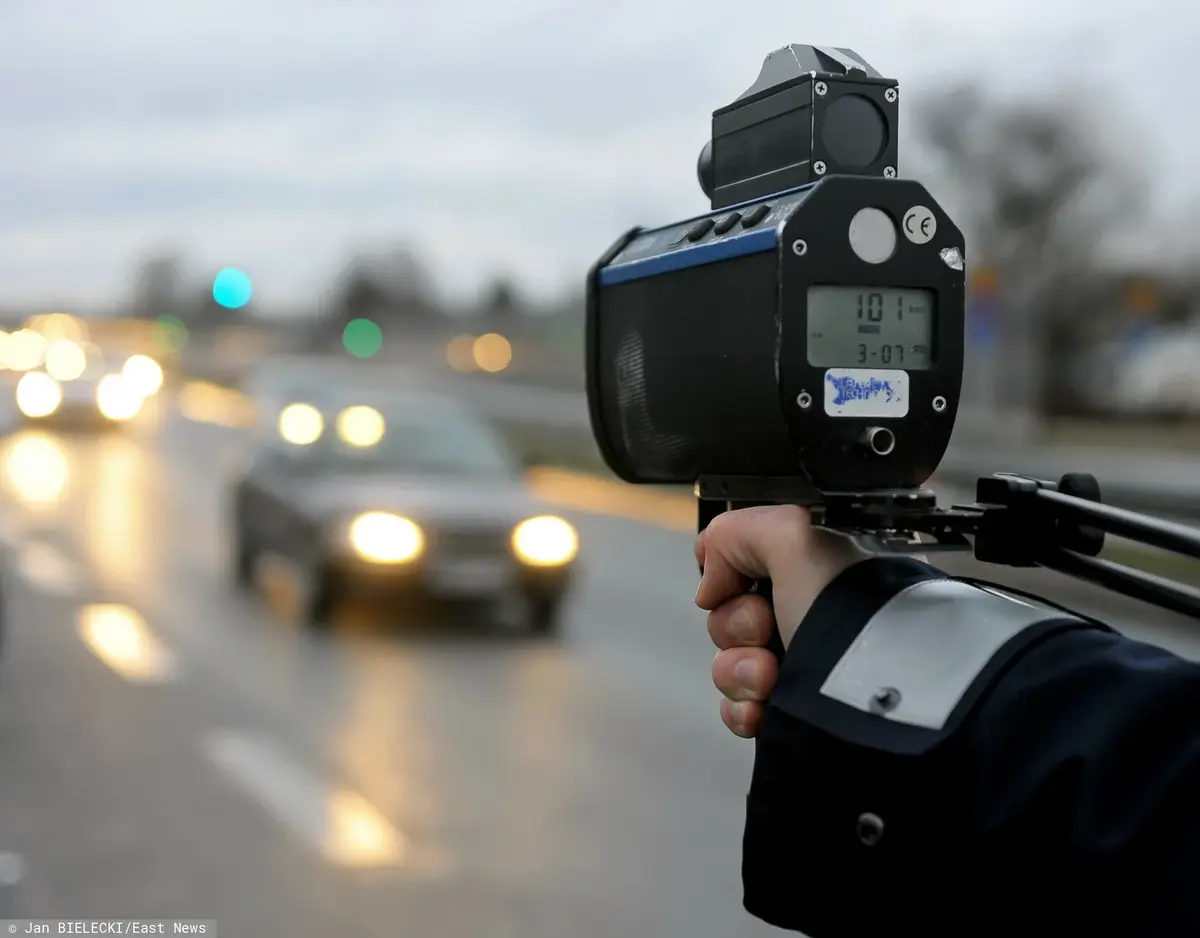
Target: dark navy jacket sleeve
[[1058, 794]]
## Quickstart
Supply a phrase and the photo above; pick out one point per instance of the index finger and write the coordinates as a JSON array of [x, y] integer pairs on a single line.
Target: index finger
[[737, 545]]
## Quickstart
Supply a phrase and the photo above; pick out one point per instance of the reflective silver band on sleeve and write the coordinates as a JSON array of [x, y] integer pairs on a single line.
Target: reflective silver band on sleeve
[[920, 653]]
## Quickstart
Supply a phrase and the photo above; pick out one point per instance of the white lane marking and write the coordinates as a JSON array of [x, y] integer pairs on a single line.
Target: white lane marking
[[12, 868], [45, 567], [120, 638], [339, 824]]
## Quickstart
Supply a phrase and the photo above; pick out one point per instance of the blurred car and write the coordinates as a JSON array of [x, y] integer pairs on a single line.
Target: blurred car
[[76, 384], [1158, 376], [396, 496]]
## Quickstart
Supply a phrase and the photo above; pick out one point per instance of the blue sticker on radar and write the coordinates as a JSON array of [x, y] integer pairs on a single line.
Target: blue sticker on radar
[[851, 389]]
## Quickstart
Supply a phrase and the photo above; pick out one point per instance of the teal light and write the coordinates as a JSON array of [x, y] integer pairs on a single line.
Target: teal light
[[232, 288], [362, 338]]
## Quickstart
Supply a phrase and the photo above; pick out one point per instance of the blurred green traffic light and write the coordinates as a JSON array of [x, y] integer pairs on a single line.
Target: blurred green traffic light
[[362, 338], [169, 333]]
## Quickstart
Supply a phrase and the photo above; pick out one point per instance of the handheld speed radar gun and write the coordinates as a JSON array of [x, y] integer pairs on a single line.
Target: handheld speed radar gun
[[802, 341]]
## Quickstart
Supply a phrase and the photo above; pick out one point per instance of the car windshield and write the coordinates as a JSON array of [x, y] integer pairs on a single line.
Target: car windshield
[[301, 378], [404, 440], [277, 386]]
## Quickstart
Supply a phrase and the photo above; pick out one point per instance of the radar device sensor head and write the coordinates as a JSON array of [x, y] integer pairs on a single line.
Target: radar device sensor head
[[802, 339], [801, 342]]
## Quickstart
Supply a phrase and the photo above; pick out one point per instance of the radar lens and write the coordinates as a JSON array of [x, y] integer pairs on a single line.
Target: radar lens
[[853, 132], [704, 170]]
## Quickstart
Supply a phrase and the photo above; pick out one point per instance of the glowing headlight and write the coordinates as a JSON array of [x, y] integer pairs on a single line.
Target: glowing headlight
[[65, 360], [116, 400], [38, 395], [545, 541], [143, 374], [385, 538], [301, 424], [360, 426], [24, 350]]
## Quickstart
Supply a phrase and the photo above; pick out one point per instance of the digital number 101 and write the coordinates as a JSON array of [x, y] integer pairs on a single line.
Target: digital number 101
[[870, 306]]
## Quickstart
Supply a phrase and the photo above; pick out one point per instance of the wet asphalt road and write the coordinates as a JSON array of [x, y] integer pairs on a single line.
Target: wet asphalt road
[[171, 749], [227, 766]]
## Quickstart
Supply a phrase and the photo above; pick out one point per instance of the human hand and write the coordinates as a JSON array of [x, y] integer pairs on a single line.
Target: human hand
[[778, 543]]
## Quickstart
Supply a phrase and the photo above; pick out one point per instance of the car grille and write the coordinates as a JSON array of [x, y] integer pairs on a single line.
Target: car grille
[[470, 543], [78, 393]]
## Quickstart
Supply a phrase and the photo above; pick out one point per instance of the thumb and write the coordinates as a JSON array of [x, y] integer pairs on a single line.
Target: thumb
[[738, 548]]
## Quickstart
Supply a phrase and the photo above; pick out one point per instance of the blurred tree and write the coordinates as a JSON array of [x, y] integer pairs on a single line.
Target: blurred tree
[[405, 279], [158, 287], [203, 314], [393, 288], [1037, 188], [502, 299], [362, 296]]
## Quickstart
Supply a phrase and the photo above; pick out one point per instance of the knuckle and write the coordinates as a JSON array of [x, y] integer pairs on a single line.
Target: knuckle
[[750, 620], [717, 526], [757, 610], [718, 625]]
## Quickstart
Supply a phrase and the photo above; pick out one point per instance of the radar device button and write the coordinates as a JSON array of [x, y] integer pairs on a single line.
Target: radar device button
[[700, 229], [727, 222], [755, 215]]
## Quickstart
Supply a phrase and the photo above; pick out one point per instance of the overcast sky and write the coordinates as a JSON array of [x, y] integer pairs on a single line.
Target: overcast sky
[[497, 135]]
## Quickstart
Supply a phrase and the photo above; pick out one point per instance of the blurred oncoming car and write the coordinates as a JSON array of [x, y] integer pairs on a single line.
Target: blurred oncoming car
[[74, 383], [398, 496]]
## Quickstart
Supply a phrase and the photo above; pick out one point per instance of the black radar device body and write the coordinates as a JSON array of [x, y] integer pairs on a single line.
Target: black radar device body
[[802, 341], [812, 333]]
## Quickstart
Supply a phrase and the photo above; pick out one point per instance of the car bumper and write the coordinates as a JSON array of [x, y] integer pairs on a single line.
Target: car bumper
[[465, 579], [72, 415]]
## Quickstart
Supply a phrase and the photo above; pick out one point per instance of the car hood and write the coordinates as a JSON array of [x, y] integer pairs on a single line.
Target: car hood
[[472, 500], [80, 389]]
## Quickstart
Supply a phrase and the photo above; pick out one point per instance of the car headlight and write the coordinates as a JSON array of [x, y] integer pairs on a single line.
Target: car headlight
[[301, 424], [65, 360], [24, 350], [116, 400], [38, 395], [545, 541], [381, 537], [143, 375]]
